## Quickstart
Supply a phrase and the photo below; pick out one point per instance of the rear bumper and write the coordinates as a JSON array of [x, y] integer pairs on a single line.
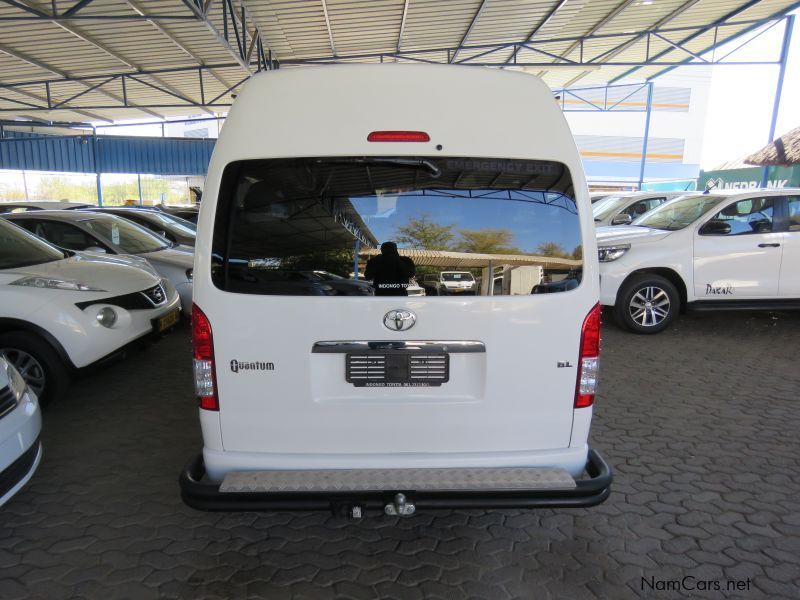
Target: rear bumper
[[202, 494]]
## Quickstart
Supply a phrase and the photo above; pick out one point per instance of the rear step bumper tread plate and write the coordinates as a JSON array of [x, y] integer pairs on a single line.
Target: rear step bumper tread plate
[[591, 489], [377, 480]]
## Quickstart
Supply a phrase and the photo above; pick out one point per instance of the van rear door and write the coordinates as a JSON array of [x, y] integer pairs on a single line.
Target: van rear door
[[303, 368]]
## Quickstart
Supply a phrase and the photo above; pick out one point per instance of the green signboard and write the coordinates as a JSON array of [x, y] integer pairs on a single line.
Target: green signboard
[[743, 179]]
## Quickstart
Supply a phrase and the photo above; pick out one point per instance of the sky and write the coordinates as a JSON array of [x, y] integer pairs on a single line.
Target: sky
[[742, 96]]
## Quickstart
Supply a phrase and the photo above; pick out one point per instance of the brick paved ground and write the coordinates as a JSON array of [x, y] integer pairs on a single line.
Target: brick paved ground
[[701, 424]]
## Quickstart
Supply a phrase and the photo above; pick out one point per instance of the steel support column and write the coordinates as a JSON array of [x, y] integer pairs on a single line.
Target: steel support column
[[96, 162], [355, 258], [646, 132], [776, 105]]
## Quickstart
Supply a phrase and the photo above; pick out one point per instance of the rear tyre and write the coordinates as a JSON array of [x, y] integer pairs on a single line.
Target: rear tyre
[[37, 362], [647, 304]]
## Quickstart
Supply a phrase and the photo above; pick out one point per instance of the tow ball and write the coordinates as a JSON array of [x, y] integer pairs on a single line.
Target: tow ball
[[400, 507]]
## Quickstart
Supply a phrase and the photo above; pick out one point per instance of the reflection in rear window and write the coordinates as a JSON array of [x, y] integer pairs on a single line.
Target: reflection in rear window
[[380, 223]]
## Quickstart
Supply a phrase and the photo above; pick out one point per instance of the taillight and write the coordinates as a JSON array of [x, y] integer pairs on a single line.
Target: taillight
[[398, 136], [205, 385], [589, 357]]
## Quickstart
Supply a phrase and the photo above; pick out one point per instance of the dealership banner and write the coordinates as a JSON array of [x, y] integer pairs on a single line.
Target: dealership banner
[[743, 179]]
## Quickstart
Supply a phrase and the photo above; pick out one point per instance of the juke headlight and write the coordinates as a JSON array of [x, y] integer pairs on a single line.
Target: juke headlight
[[51, 283], [15, 382], [612, 253]]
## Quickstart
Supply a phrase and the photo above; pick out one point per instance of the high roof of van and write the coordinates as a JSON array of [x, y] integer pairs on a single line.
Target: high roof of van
[[330, 111]]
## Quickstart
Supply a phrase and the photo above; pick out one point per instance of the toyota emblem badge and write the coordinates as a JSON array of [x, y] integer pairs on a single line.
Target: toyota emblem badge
[[399, 319]]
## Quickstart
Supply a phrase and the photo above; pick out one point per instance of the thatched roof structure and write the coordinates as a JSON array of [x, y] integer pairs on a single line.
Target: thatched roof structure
[[463, 260], [783, 152]]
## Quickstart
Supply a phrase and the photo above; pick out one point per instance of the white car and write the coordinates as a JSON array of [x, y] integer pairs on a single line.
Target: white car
[[710, 251], [451, 282], [109, 234], [62, 310], [20, 425], [623, 209], [392, 403]]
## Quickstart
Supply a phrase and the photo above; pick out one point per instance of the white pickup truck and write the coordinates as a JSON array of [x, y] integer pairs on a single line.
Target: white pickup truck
[[709, 251], [402, 403]]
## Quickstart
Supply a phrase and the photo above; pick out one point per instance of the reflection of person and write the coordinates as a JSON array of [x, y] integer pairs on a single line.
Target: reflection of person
[[390, 272]]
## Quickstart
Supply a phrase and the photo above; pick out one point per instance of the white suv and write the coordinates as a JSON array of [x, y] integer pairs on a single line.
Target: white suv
[[450, 282], [710, 251], [62, 310], [392, 403]]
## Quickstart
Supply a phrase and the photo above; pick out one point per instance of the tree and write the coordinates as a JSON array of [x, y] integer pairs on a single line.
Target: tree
[[577, 254], [422, 233], [486, 241], [552, 249]]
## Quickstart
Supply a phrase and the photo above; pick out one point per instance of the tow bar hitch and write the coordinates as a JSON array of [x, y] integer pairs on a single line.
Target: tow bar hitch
[[400, 507]]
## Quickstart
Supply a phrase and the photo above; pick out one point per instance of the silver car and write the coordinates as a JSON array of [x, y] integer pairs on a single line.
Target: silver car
[[622, 209], [108, 234], [164, 224]]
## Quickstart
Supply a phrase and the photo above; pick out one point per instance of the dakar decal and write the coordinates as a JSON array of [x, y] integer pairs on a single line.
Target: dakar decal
[[722, 290]]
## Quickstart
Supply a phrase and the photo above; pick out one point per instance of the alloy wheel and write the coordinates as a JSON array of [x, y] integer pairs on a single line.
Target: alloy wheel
[[649, 306]]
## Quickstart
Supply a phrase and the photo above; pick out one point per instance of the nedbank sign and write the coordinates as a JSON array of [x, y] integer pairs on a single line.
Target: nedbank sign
[[743, 179]]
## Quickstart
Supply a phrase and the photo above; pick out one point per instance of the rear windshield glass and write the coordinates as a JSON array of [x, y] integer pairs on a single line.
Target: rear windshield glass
[[365, 226]]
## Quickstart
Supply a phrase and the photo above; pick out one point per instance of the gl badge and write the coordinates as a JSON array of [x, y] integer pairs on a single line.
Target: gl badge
[[399, 319]]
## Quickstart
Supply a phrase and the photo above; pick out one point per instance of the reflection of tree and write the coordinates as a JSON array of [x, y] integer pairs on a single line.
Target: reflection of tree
[[489, 240], [577, 253], [422, 233], [552, 249]]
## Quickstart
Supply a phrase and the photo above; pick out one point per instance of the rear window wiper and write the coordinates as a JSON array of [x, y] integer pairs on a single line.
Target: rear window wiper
[[387, 162]]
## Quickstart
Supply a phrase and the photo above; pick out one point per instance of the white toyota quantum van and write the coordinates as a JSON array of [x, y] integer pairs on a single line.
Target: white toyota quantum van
[[312, 398]]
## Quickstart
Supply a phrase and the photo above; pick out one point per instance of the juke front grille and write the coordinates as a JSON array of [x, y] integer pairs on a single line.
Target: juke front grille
[[144, 300], [7, 401]]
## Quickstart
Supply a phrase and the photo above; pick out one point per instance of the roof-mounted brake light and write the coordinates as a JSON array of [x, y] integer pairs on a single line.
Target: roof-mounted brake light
[[398, 136]]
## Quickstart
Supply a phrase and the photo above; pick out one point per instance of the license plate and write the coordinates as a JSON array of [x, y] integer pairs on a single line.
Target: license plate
[[458, 290], [168, 320], [397, 369]]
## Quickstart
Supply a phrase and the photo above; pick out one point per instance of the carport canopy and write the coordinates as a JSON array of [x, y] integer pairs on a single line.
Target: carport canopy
[[105, 60]]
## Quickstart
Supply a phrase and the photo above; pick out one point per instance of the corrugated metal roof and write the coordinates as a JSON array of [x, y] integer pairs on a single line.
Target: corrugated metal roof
[[161, 43], [113, 154]]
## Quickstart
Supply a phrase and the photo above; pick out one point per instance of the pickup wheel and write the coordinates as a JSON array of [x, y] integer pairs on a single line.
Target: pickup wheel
[[647, 304], [38, 364]]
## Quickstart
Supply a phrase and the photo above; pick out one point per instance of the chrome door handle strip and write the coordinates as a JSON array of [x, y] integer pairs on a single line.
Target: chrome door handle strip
[[340, 347]]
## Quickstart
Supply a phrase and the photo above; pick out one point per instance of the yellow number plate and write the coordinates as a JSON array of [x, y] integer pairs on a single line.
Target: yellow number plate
[[168, 320]]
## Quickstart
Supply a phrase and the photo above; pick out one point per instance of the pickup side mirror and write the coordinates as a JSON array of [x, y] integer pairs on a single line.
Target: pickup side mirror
[[622, 219], [715, 228]]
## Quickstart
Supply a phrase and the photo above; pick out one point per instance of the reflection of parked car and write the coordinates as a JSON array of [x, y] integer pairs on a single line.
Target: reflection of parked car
[[449, 283], [20, 424], [342, 285], [279, 282], [706, 251], [164, 224], [61, 310], [9, 207], [622, 209], [188, 213], [108, 234], [414, 289]]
